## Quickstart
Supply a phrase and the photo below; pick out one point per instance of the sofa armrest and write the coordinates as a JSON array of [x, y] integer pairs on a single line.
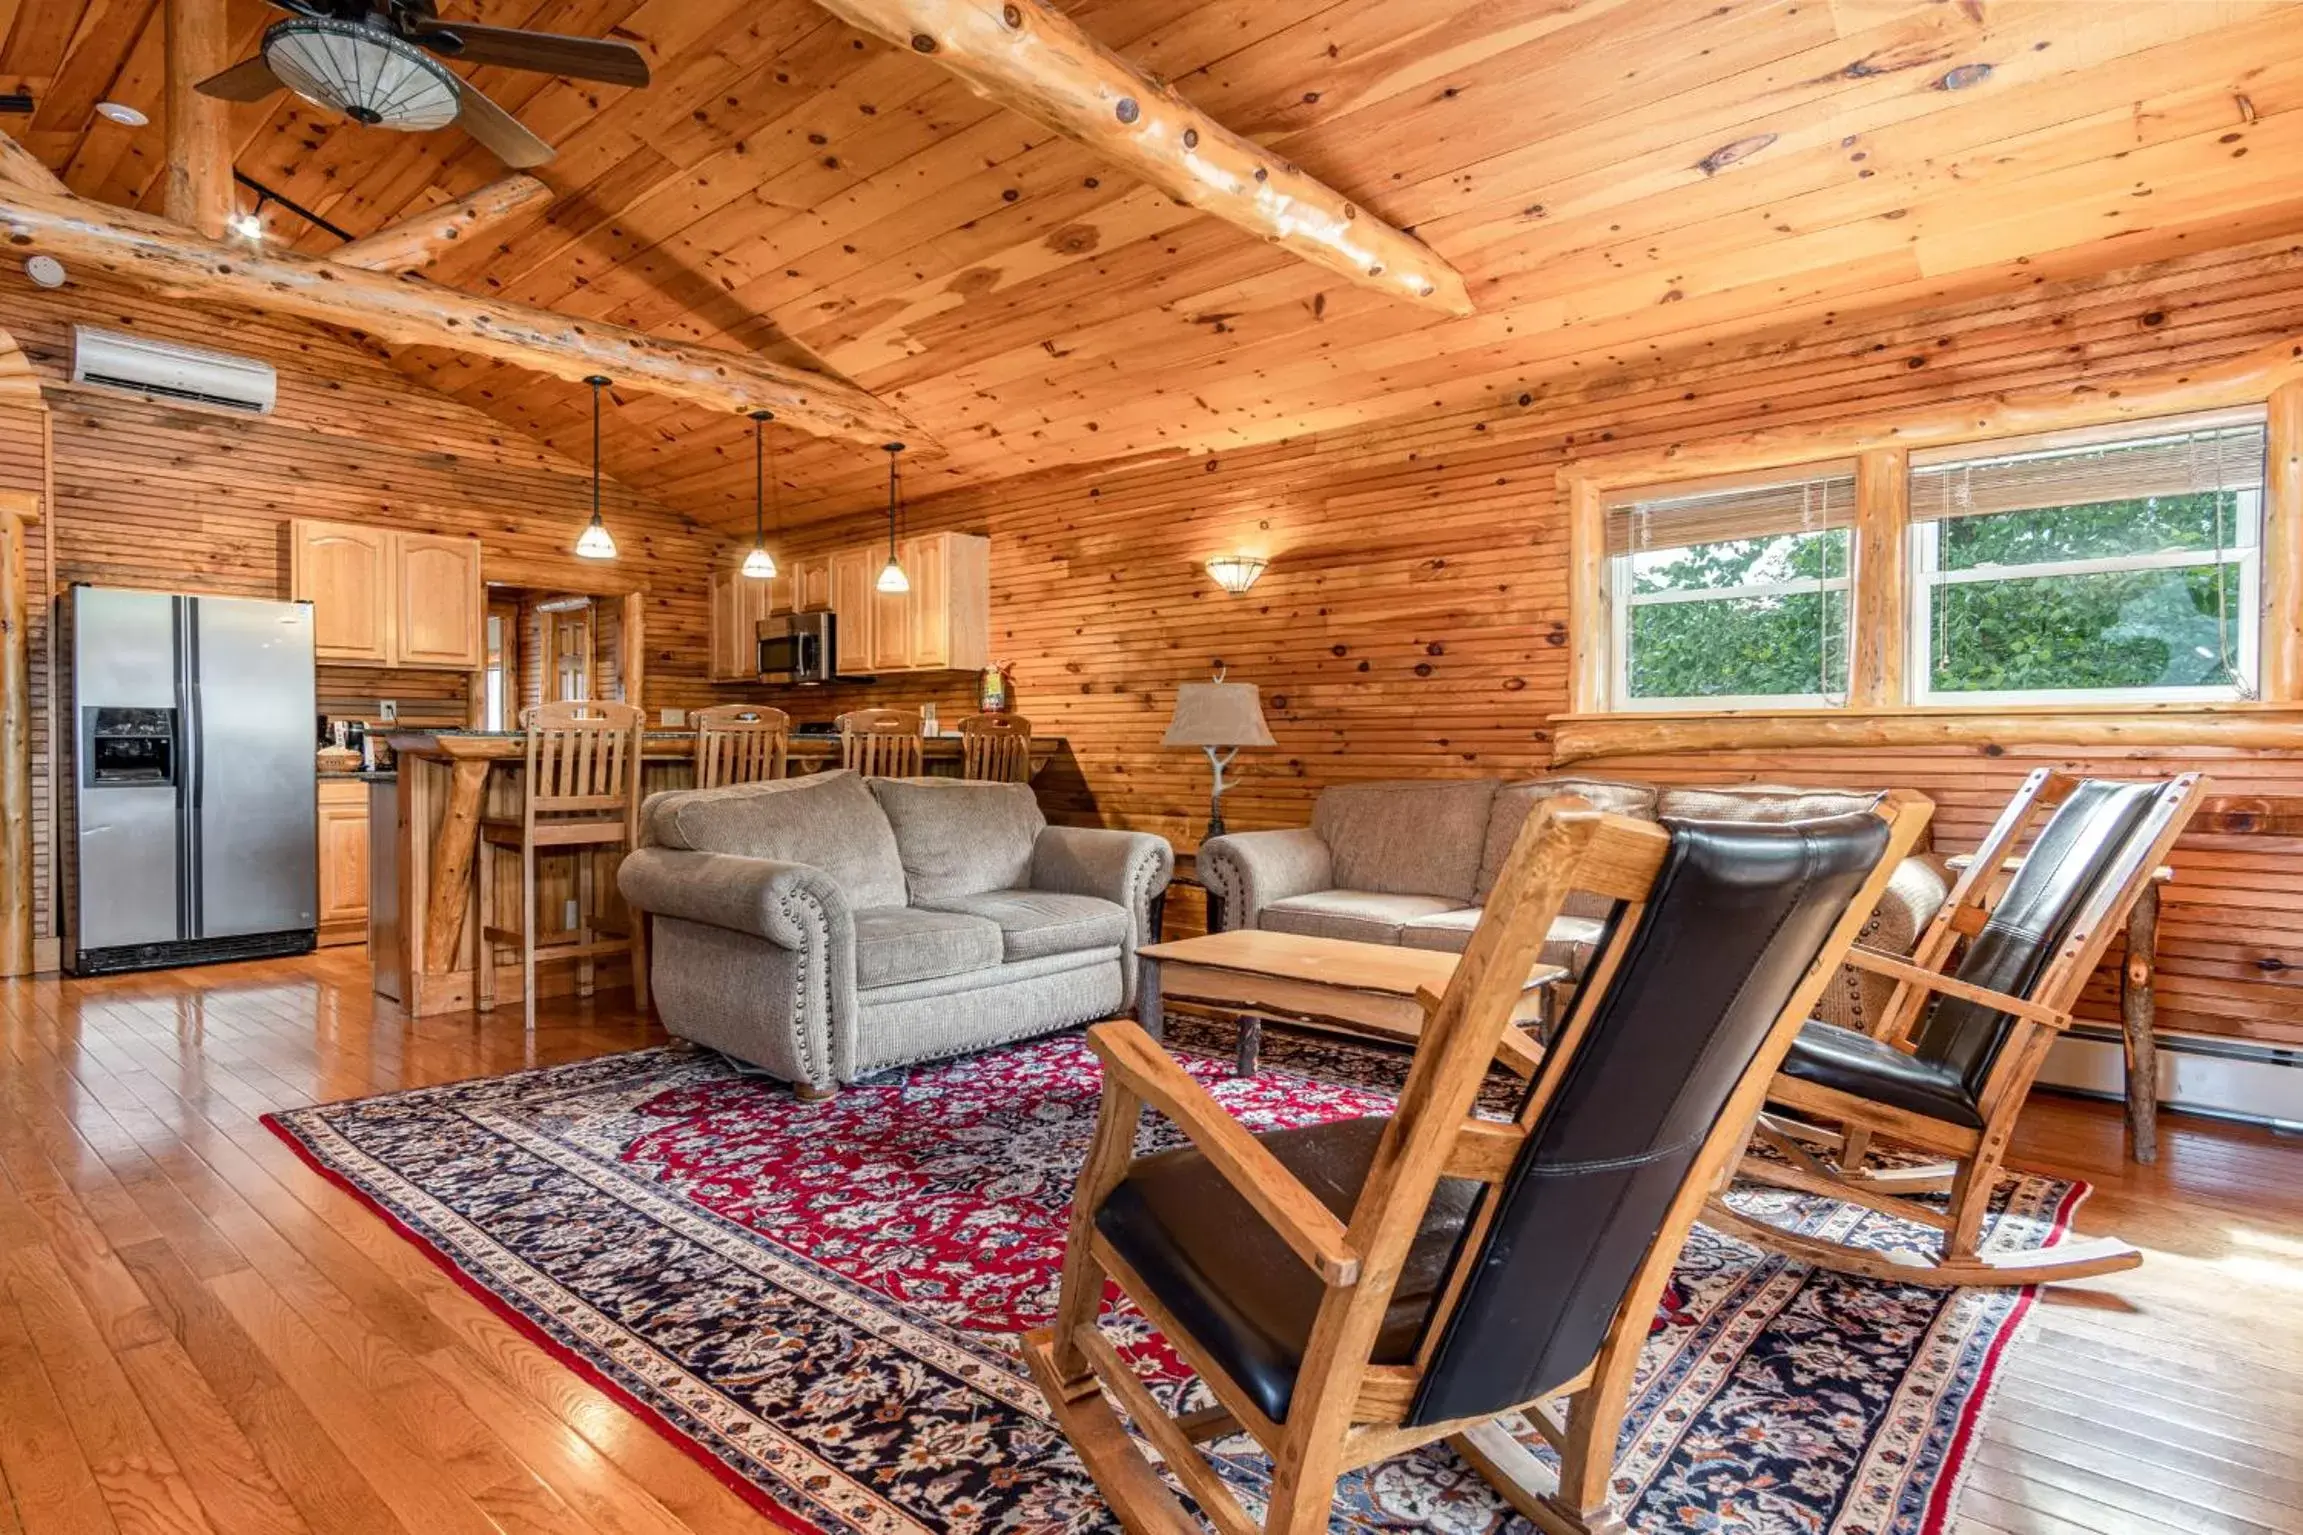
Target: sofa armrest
[[1131, 868], [788, 904], [1249, 870], [1856, 997]]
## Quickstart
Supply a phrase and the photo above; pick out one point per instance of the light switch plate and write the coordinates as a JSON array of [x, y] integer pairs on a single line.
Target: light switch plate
[[673, 718]]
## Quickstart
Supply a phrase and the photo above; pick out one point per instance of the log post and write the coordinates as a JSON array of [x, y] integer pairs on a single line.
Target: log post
[[2137, 1017], [453, 849], [16, 903], [196, 183]]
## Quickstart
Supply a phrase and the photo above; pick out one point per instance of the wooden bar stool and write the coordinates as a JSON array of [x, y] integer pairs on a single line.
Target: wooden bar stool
[[740, 743], [996, 747], [580, 795], [882, 743]]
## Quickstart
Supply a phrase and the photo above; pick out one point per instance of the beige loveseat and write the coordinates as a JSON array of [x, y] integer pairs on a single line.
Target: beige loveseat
[[828, 927], [1410, 863]]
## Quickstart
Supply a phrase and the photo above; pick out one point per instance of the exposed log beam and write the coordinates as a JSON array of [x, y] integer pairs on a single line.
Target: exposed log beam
[[153, 253], [196, 183], [19, 167], [1026, 56], [417, 242]]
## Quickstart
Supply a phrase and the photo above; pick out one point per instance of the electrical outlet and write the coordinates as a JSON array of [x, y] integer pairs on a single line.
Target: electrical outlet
[[672, 719], [389, 708]]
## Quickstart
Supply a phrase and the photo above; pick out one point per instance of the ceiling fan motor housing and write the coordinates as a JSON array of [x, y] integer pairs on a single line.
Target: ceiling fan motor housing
[[367, 73]]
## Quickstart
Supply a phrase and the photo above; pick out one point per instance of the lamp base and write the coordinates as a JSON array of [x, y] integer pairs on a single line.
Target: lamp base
[[1214, 822]]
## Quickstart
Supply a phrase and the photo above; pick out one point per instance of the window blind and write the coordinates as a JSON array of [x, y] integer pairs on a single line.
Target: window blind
[[2181, 457], [1679, 516]]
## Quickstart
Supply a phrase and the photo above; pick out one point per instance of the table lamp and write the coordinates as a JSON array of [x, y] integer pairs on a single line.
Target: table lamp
[[1219, 717]]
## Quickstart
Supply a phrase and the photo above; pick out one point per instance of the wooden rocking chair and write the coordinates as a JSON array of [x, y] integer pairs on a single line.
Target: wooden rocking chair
[[1952, 1059], [1351, 1291]]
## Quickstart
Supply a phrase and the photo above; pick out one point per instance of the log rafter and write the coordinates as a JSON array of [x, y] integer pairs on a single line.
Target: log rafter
[[418, 241], [1030, 58], [161, 256]]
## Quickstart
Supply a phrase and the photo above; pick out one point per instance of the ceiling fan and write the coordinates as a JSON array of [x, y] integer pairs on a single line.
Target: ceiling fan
[[372, 61]]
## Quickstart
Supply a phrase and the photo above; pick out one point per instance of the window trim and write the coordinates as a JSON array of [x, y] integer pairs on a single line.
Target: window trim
[[2269, 379], [1926, 578]]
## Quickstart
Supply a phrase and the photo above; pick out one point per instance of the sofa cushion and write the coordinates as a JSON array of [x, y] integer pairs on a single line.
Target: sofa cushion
[[1514, 802], [895, 944], [1033, 923], [1773, 803], [1364, 916], [958, 837], [1570, 943], [826, 820], [1421, 838]]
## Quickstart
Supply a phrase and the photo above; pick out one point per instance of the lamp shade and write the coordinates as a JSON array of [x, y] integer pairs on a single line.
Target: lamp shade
[[1217, 714]]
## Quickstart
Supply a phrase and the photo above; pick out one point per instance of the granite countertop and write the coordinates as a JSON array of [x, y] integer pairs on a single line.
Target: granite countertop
[[358, 775]]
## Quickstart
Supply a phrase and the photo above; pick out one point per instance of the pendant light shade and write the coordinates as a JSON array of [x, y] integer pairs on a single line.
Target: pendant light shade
[[594, 543], [760, 565], [892, 577]]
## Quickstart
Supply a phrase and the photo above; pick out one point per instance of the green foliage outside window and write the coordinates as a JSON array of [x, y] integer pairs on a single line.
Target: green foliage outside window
[[1784, 644], [2109, 629]]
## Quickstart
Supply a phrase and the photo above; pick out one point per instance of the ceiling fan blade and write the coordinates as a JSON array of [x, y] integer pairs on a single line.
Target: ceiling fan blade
[[498, 130], [579, 58], [248, 80]]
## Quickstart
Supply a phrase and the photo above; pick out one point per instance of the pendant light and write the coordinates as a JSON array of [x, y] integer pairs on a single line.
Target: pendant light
[[594, 543], [759, 564], [892, 577]]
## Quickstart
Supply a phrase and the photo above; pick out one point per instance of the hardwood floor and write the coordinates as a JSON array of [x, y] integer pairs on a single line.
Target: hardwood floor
[[199, 1334]]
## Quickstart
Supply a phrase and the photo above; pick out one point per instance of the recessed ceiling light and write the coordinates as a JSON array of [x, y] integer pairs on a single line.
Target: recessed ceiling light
[[123, 114]]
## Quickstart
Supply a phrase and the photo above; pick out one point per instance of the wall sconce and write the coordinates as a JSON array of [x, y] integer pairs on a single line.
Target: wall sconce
[[1235, 573]]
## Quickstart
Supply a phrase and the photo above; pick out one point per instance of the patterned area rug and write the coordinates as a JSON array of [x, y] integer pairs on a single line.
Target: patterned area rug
[[819, 1302]]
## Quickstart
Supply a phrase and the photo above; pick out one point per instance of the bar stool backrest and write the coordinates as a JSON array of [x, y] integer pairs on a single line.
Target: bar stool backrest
[[997, 747], [882, 743], [740, 743]]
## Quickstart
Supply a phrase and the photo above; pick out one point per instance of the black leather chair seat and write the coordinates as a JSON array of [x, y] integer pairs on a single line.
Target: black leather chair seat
[[1237, 1289], [1830, 1056]]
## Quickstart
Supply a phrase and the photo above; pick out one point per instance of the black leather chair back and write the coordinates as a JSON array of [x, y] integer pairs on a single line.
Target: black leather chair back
[[1737, 916], [2067, 861]]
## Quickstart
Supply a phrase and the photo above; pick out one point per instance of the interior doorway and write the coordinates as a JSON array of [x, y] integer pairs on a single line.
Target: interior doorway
[[546, 645]]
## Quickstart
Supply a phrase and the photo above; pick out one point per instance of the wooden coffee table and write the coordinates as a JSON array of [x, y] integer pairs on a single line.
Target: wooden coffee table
[[1354, 988]]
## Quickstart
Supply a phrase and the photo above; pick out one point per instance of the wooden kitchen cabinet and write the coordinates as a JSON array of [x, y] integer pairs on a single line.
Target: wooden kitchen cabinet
[[942, 624], [343, 913], [443, 602], [854, 607], [388, 598], [345, 572], [738, 603]]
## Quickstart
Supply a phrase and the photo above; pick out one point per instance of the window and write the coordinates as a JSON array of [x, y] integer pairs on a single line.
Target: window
[[1731, 593], [2090, 568]]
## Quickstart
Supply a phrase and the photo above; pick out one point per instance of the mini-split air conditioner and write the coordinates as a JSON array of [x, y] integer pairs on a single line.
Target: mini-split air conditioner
[[172, 369]]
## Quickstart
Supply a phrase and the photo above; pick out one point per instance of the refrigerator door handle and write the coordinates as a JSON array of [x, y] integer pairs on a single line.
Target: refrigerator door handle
[[191, 766]]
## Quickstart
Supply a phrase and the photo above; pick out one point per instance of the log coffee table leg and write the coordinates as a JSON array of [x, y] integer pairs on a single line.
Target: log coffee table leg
[[1151, 1013], [1250, 1044], [2137, 1014]]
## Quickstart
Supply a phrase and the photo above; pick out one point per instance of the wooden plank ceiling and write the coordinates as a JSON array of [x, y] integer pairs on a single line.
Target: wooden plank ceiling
[[1614, 178]]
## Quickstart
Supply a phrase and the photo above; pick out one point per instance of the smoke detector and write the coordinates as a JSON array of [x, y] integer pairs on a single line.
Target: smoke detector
[[45, 271]]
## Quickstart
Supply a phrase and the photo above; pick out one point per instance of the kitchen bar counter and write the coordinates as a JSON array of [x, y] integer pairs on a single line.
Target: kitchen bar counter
[[423, 898]]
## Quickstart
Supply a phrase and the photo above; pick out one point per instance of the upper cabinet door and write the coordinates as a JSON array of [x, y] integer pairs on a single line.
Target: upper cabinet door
[[930, 599], [441, 601], [347, 573], [853, 571], [892, 615]]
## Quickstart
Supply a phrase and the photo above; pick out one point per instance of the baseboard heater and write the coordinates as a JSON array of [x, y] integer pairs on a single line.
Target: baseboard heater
[[2222, 1079]]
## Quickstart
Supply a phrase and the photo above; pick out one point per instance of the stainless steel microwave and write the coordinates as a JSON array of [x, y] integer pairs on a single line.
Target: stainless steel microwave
[[799, 648]]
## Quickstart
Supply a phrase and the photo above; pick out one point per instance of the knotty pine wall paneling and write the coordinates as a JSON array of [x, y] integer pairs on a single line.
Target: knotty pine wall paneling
[[1414, 623], [181, 497]]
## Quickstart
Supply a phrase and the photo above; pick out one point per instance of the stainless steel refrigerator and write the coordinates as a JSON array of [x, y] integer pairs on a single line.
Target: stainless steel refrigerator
[[189, 824]]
